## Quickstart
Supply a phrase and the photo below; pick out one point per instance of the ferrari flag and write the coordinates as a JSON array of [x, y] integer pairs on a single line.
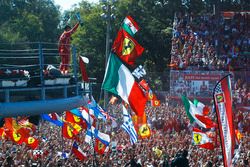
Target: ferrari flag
[[126, 47], [223, 106]]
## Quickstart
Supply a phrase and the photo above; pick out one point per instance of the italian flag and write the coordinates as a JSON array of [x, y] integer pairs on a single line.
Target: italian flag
[[130, 25], [119, 81], [202, 140], [195, 114]]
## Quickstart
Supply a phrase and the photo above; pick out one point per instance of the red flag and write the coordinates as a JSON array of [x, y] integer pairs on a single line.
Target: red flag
[[155, 102], [31, 142], [70, 117], [99, 147], [126, 47], [2, 133], [82, 61], [144, 85], [14, 136], [69, 131], [202, 140], [76, 150]]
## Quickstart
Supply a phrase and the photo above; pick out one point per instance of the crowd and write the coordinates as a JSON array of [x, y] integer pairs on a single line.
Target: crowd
[[209, 42], [171, 136]]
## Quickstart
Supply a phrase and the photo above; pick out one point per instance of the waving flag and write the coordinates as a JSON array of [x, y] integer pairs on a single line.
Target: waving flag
[[195, 115], [223, 106], [126, 47], [70, 117], [202, 140], [53, 118], [15, 136], [94, 133], [77, 151], [128, 126], [83, 113], [70, 130], [31, 142], [100, 147], [82, 61], [97, 110], [2, 133], [130, 26], [119, 80]]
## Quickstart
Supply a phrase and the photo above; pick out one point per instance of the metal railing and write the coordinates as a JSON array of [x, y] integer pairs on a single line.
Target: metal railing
[[33, 59]]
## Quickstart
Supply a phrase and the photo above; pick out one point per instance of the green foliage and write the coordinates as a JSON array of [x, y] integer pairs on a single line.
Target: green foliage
[[29, 20]]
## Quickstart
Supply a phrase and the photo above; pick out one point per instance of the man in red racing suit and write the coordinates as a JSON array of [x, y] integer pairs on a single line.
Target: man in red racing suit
[[64, 47]]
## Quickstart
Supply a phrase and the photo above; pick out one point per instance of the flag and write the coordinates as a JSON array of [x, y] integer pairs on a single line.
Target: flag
[[223, 106], [119, 80], [77, 151], [157, 151], [144, 85], [144, 131], [130, 26], [2, 133], [70, 130], [201, 108], [155, 102], [82, 61], [31, 142], [12, 126], [15, 136], [128, 126], [202, 140], [150, 94], [96, 110], [94, 133], [63, 155], [126, 47], [53, 118], [83, 113], [70, 117], [238, 134], [195, 115], [26, 124], [100, 148]]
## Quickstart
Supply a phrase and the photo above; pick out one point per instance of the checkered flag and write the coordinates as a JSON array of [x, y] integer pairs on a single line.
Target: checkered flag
[[92, 145], [218, 88]]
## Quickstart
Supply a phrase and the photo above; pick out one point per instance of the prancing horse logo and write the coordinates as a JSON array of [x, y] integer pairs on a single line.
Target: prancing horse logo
[[128, 46]]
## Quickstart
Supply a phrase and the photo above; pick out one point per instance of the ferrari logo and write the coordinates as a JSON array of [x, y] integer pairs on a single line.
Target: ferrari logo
[[100, 145], [144, 130], [76, 118], [69, 131], [77, 127], [156, 102], [220, 98], [31, 140], [16, 136], [128, 47], [197, 138]]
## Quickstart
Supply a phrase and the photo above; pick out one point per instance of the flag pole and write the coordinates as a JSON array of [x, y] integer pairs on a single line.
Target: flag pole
[[95, 163]]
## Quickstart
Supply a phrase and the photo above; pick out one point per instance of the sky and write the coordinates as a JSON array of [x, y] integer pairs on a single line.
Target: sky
[[67, 4]]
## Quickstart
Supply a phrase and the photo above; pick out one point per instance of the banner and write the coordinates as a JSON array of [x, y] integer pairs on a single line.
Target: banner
[[223, 105], [198, 84]]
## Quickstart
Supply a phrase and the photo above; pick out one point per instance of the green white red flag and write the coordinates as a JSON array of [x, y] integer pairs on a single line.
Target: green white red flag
[[195, 114], [119, 81], [130, 25]]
